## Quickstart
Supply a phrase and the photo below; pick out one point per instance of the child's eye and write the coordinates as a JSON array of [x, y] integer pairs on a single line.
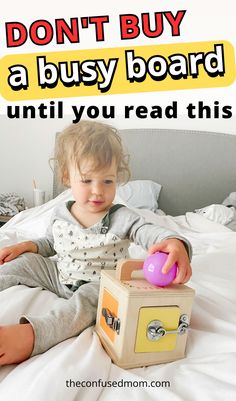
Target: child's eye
[[108, 182], [86, 181]]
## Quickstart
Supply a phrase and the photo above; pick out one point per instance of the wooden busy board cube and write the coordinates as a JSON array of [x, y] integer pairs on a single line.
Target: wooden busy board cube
[[138, 323]]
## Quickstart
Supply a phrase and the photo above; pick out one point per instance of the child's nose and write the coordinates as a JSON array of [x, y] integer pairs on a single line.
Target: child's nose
[[97, 188]]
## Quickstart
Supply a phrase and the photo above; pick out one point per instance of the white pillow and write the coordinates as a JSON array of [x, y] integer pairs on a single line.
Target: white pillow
[[230, 200], [218, 213], [142, 194]]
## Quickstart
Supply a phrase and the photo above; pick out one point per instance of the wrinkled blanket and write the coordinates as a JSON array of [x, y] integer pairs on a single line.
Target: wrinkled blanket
[[80, 370], [11, 203]]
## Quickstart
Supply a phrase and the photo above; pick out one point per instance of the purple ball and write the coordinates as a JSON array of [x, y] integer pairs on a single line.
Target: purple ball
[[152, 270]]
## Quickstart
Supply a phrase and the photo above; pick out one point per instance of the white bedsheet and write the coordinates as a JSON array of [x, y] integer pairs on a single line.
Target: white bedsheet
[[207, 372]]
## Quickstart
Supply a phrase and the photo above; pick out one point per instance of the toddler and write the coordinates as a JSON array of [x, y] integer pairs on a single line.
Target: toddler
[[88, 235]]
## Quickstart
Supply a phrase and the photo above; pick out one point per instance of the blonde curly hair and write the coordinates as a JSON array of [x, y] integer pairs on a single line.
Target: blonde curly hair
[[91, 140]]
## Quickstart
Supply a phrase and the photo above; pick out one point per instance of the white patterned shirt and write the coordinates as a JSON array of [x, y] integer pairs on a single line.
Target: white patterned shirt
[[83, 252]]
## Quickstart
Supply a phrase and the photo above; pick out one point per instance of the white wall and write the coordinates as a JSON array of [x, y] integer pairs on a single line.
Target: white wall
[[26, 146]]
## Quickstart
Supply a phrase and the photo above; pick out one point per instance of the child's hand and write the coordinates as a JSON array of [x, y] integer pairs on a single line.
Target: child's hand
[[177, 253], [13, 251], [9, 252]]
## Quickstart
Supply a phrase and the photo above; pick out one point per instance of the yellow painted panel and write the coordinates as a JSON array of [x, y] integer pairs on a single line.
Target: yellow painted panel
[[169, 316]]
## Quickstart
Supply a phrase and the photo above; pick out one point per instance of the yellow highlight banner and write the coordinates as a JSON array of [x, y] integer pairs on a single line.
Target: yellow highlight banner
[[121, 70]]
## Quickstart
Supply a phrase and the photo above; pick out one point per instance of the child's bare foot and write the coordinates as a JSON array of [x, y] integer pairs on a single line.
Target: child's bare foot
[[16, 343]]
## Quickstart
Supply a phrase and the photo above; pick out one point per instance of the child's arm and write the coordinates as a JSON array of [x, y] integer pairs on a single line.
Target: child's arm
[[43, 246], [155, 238], [11, 252]]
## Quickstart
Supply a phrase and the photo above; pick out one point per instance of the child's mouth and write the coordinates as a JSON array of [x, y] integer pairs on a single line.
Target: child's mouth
[[95, 202]]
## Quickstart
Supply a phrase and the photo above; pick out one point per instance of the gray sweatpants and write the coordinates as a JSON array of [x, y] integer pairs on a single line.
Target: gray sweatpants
[[69, 317]]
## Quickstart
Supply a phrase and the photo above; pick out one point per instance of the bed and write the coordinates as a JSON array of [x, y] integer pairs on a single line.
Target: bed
[[194, 170]]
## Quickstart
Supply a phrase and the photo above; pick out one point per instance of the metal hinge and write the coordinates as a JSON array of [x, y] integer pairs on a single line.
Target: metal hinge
[[155, 331], [112, 321]]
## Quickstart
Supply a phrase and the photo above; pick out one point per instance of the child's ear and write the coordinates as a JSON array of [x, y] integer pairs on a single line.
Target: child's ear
[[65, 179]]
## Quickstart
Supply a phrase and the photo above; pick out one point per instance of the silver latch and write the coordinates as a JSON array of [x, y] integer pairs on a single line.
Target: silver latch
[[112, 321], [155, 331]]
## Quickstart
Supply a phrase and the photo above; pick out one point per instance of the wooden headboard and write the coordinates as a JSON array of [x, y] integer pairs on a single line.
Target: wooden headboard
[[195, 168]]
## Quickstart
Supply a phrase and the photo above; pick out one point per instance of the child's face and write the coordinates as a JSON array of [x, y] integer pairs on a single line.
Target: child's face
[[93, 191]]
